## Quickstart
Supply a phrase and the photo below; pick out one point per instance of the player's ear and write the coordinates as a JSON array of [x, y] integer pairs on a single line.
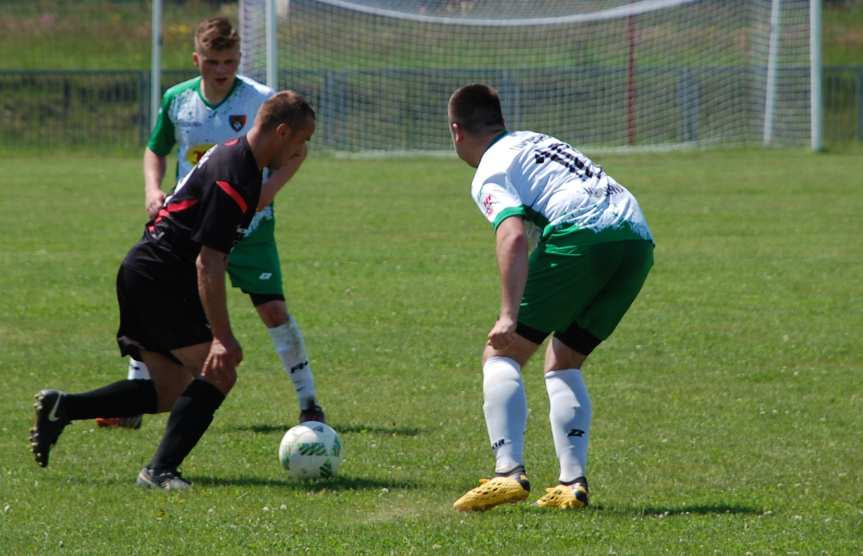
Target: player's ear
[[457, 132], [196, 59], [283, 130]]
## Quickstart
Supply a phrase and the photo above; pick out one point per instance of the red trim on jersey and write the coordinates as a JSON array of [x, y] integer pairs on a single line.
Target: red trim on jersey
[[181, 205], [233, 194], [175, 207]]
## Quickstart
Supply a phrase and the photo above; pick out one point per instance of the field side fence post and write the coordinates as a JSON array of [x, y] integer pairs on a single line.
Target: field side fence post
[[772, 56], [816, 75], [860, 104], [272, 45], [144, 107], [156, 62]]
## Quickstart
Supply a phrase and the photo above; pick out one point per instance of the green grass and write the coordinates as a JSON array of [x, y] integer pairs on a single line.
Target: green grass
[[727, 404], [102, 34]]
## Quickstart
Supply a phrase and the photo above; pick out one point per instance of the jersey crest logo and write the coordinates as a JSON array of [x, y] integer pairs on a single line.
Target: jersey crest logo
[[237, 121]]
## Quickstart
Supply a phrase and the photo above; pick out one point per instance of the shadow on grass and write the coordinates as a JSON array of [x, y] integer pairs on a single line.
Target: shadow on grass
[[392, 430], [336, 484], [695, 509]]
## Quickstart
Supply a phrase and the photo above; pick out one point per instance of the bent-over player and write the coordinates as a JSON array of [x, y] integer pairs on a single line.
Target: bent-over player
[[592, 258], [171, 293], [216, 106]]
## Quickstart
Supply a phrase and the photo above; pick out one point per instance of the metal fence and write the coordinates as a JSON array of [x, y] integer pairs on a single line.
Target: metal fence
[[47, 109]]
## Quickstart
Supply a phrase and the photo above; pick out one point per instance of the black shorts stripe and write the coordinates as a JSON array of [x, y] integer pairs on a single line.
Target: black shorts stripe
[[578, 339], [529, 333]]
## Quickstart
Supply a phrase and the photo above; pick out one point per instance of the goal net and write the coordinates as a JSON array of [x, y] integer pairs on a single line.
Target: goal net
[[643, 74]]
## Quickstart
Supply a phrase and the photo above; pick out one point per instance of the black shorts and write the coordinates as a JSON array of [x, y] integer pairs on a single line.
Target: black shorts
[[158, 316]]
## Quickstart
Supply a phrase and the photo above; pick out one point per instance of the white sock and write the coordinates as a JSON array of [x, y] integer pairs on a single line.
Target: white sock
[[291, 348], [505, 408], [138, 370], [570, 421]]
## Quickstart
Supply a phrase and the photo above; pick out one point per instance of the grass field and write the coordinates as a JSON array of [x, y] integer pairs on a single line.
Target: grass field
[[727, 405]]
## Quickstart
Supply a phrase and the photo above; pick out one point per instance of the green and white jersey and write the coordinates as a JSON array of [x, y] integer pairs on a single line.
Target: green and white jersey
[[547, 182], [188, 120]]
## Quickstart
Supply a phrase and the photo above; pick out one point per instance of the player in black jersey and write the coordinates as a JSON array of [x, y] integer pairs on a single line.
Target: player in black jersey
[[171, 292]]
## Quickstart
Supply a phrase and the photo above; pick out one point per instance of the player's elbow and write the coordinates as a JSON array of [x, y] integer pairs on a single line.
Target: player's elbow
[[511, 235], [517, 241], [210, 261]]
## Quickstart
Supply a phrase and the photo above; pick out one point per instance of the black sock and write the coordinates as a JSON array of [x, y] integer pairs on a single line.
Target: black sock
[[190, 417], [124, 398], [582, 480]]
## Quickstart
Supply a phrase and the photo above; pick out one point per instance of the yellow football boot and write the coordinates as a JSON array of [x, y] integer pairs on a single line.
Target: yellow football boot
[[493, 492], [564, 497]]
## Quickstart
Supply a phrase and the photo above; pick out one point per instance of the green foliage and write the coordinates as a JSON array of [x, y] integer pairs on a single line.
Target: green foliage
[[727, 404], [843, 33]]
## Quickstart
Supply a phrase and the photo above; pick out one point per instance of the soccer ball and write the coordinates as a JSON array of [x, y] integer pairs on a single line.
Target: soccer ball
[[311, 450]]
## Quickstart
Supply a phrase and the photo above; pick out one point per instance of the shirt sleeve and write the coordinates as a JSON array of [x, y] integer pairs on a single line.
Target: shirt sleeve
[[223, 212], [497, 199], [162, 138]]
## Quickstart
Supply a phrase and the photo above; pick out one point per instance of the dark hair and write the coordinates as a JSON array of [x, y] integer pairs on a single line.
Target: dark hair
[[216, 33], [285, 107], [476, 108]]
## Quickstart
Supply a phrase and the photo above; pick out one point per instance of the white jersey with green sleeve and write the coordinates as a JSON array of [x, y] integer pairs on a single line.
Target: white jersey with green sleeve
[[547, 182], [186, 119]]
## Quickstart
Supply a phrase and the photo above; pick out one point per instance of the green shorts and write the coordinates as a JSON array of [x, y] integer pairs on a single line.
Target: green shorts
[[579, 289], [253, 264]]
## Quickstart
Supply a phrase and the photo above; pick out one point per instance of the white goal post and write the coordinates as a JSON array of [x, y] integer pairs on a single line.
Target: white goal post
[[646, 74]]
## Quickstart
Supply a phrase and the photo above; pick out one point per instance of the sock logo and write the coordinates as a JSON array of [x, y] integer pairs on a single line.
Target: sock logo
[[299, 366], [576, 432], [498, 443]]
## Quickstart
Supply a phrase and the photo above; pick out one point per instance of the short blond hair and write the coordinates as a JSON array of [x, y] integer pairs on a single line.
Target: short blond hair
[[216, 33], [285, 107]]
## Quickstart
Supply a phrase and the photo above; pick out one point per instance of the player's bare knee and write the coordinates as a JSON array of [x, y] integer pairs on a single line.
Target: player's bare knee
[[223, 381], [273, 313], [560, 356], [167, 392], [519, 351], [225, 384]]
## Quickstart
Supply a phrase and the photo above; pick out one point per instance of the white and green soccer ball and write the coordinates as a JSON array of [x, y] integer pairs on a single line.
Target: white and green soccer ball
[[311, 450]]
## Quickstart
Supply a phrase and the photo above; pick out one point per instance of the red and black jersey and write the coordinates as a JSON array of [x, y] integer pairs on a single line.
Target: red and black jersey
[[211, 206]]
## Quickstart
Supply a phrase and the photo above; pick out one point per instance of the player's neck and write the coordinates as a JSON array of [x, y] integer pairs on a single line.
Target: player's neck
[[212, 94], [482, 143], [258, 147]]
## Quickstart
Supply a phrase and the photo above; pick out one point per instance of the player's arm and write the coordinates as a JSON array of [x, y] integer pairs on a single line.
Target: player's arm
[[161, 141], [280, 176], [223, 208], [512, 261], [225, 351], [154, 173]]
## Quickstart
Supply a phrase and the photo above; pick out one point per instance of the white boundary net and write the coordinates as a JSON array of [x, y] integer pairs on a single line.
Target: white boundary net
[[640, 75]]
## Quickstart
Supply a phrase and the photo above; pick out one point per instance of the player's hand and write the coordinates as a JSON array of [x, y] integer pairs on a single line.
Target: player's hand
[[153, 202], [301, 152], [501, 334], [290, 160], [220, 367]]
